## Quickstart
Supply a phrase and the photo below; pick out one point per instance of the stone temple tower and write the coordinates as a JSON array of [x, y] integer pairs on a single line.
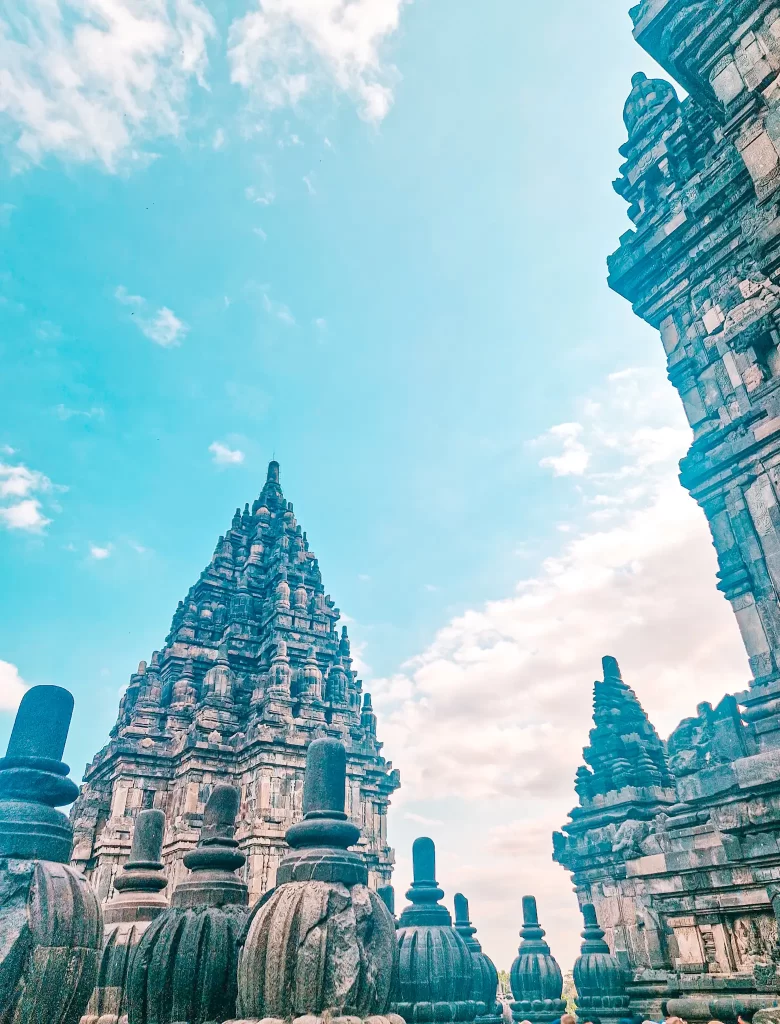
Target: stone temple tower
[[252, 669]]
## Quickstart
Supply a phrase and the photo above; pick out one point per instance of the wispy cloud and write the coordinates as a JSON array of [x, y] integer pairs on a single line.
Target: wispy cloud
[[285, 51], [574, 458], [260, 233], [263, 199], [278, 310], [308, 182], [225, 456], [218, 141], [63, 412], [99, 552], [164, 328]]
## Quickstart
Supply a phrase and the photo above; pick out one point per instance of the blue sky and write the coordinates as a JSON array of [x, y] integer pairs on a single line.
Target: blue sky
[[373, 248]]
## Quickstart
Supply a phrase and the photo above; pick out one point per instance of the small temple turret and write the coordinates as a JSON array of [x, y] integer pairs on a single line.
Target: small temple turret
[[484, 989], [435, 967], [51, 924], [138, 900], [184, 967], [598, 976], [536, 978], [322, 946]]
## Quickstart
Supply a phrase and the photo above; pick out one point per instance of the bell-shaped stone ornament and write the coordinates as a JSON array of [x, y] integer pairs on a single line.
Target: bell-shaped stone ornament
[[321, 946], [434, 967], [184, 968], [598, 975], [484, 988], [51, 925], [537, 982]]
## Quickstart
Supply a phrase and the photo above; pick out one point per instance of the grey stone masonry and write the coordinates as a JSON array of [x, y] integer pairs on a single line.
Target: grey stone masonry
[[252, 670], [677, 846]]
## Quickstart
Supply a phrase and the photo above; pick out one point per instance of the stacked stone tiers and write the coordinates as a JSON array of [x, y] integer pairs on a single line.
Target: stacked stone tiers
[[253, 668]]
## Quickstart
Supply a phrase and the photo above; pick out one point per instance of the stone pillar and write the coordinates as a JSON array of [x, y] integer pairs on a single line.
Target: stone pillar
[[435, 968], [51, 926], [322, 946], [137, 902], [537, 982], [184, 969], [598, 977], [484, 990]]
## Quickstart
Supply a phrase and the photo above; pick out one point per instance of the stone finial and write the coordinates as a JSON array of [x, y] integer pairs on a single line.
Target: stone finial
[[52, 926], [484, 988], [137, 902], [33, 778], [598, 976], [536, 979], [272, 477], [323, 944], [648, 99], [184, 968], [435, 968], [386, 893]]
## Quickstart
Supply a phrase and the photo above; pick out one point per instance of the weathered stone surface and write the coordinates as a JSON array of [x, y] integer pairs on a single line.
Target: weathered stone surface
[[322, 943], [536, 978], [681, 875], [184, 967], [252, 670], [435, 967], [138, 901], [484, 983], [51, 927]]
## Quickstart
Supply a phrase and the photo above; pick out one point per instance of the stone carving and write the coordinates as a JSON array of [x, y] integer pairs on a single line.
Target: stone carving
[[184, 967], [598, 976], [322, 945], [484, 986], [387, 895], [435, 965], [51, 927], [537, 982], [138, 900], [253, 668]]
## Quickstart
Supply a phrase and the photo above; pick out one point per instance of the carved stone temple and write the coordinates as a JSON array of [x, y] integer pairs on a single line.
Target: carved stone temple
[[676, 844], [252, 670]]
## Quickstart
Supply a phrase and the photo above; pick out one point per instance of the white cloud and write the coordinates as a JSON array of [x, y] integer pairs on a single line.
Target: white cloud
[[224, 456], [307, 180], [574, 459], [496, 709], [100, 551], [6, 449], [264, 199], [20, 501], [12, 686], [288, 49], [421, 819], [92, 80], [164, 328], [219, 139], [260, 233], [63, 412], [321, 323]]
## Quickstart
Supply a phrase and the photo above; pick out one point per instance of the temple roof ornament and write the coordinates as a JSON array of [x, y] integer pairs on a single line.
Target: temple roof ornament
[[323, 945], [536, 979], [52, 925], [184, 968], [138, 900], [435, 967], [598, 976], [649, 99], [485, 976]]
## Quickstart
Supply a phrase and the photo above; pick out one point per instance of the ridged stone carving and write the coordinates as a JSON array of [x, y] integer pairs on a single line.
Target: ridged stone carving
[[435, 973], [484, 985], [137, 902], [51, 927], [598, 976], [322, 944], [184, 968], [537, 982]]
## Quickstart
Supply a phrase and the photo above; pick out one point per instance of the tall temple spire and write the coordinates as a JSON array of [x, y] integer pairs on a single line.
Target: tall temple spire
[[254, 666]]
